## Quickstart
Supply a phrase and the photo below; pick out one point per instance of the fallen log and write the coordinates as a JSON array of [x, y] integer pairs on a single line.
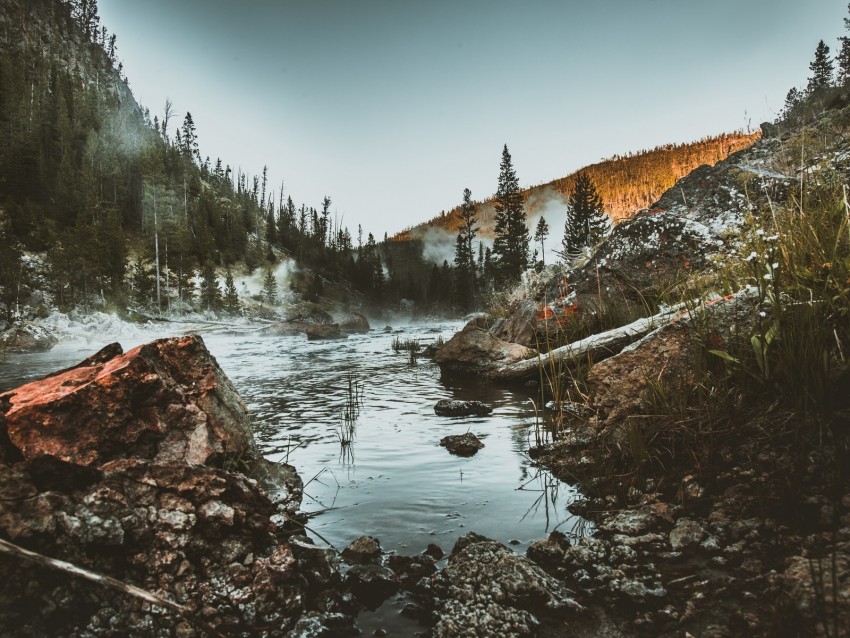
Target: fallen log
[[598, 346]]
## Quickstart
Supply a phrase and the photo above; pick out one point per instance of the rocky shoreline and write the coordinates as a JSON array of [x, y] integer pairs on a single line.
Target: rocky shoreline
[[141, 467]]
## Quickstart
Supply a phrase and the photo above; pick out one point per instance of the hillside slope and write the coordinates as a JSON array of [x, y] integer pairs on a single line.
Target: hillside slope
[[627, 183]]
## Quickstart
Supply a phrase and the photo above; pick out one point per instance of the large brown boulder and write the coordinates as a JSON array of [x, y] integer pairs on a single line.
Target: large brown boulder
[[164, 401], [475, 349], [665, 358], [130, 465]]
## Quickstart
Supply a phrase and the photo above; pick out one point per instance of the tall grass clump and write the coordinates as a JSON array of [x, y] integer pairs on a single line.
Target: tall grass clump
[[409, 346], [773, 376], [797, 260], [350, 411]]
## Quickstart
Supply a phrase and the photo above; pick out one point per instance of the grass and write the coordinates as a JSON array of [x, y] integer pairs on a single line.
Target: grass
[[783, 384], [350, 411], [409, 346]]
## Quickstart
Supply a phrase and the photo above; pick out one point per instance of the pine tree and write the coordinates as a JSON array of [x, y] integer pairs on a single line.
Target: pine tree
[[231, 297], [464, 256], [189, 139], [210, 292], [510, 246], [270, 287], [843, 57], [586, 220], [271, 227], [792, 100], [10, 268], [821, 68], [143, 282], [541, 232]]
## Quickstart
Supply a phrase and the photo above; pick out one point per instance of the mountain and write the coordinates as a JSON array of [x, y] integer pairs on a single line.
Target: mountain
[[627, 183]]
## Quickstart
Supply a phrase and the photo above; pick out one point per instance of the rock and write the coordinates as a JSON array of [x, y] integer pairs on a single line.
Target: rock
[[434, 551], [685, 534], [410, 569], [488, 589], [549, 553], [318, 331], [165, 401], [26, 337], [638, 521], [447, 407], [363, 550], [462, 444], [308, 313], [820, 587], [323, 625], [619, 385], [356, 323], [474, 350], [372, 584], [118, 465], [176, 528], [635, 590], [286, 328]]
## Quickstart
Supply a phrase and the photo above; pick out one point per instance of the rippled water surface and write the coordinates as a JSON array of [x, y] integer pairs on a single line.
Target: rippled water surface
[[394, 481]]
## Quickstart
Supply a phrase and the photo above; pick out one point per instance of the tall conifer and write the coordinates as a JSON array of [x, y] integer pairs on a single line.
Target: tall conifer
[[510, 246], [586, 219]]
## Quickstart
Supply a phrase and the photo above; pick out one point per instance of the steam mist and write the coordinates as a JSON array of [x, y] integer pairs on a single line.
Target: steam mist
[[552, 206], [250, 285]]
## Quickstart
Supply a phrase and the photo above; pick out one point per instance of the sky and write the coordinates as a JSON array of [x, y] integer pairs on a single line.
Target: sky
[[392, 108]]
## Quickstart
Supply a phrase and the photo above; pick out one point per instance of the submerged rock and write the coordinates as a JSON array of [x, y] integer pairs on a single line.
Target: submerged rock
[[26, 337], [355, 323], [462, 444], [319, 331], [363, 550], [448, 407], [372, 584]]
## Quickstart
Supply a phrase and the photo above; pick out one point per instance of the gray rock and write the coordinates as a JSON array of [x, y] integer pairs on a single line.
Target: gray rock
[[363, 550], [462, 444], [687, 533], [355, 323], [448, 407], [632, 522], [26, 337], [488, 587], [372, 584], [321, 331], [636, 590]]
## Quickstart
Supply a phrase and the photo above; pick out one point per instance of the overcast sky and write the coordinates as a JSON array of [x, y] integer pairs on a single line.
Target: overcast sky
[[392, 108]]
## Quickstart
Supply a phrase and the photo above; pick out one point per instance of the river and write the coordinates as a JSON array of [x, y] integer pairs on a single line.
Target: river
[[393, 481]]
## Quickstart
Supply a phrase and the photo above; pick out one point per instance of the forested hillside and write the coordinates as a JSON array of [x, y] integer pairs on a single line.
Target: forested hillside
[[117, 199], [626, 183]]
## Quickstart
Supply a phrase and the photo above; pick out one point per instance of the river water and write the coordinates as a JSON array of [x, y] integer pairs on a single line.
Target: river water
[[393, 481]]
